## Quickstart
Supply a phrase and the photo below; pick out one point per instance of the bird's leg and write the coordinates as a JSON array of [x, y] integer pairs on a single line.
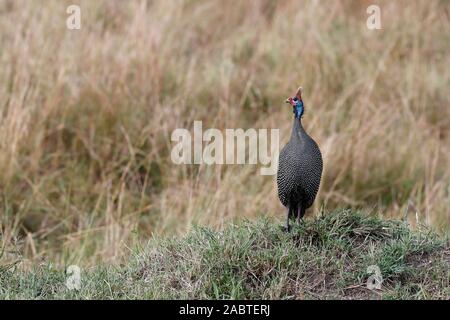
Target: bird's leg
[[300, 213], [287, 227]]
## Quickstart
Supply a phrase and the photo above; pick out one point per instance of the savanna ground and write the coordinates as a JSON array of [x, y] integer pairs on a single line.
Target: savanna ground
[[86, 119], [325, 258]]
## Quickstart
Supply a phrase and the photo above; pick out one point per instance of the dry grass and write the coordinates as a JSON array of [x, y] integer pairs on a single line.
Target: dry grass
[[86, 116], [327, 257]]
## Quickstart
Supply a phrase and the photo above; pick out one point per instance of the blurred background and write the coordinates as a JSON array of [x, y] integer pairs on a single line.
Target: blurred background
[[86, 115]]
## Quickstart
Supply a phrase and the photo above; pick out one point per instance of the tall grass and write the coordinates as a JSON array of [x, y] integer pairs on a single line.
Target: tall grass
[[86, 115]]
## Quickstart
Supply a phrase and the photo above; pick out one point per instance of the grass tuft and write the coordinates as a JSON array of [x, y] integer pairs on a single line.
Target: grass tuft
[[323, 258]]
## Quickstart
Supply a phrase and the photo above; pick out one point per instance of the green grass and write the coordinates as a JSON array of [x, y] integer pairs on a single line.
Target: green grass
[[323, 258]]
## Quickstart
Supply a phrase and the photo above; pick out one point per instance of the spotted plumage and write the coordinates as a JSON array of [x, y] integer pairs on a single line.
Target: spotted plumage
[[299, 167]]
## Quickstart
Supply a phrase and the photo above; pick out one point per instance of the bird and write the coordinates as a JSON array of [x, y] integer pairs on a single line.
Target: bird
[[300, 166]]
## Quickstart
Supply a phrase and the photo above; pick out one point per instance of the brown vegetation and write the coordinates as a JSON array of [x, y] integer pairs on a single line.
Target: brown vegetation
[[86, 115]]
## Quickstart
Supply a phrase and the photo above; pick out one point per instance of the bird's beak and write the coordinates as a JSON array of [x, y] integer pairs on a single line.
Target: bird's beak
[[288, 101]]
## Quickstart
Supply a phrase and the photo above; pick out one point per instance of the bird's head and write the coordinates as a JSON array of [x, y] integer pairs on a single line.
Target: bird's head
[[297, 103]]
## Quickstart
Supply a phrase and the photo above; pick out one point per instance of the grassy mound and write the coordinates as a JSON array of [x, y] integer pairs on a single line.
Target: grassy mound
[[327, 257]]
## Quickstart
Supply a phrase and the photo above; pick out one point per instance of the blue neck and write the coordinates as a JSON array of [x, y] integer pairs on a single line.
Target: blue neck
[[298, 110]]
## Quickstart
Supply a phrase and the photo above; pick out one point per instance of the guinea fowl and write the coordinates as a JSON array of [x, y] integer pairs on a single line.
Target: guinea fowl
[[299, 167]]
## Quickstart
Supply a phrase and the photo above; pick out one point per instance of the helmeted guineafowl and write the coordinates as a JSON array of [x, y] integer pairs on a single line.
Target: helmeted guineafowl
[[299, 167]]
